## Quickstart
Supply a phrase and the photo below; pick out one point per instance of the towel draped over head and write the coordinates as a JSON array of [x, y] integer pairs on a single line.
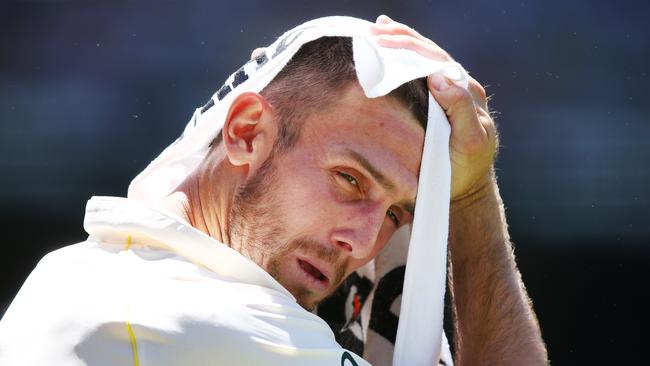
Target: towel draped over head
[[379, 71]]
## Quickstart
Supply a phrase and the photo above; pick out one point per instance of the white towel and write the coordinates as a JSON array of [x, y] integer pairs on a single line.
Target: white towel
[[379, 70]]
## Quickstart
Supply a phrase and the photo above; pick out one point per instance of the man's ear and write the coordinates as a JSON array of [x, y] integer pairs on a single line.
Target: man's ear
[[249, 131]]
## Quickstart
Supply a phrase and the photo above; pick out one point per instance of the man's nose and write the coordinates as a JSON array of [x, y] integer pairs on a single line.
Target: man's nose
[[358, 231]]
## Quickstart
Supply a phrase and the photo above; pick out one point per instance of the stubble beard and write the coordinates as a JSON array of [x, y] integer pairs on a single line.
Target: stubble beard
[[257, 228]]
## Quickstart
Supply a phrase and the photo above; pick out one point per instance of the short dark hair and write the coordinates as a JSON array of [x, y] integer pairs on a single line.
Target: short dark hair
[[312, 78]]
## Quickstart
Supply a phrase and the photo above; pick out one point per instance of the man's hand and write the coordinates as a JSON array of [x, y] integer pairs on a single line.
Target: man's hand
[[473, 140], [494, 320]]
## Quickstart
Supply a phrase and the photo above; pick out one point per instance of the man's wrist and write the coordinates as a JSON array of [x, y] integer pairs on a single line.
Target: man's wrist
[[482, 191]]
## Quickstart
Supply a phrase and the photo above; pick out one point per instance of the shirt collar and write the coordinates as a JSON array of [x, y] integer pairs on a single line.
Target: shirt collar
[[115, 218]]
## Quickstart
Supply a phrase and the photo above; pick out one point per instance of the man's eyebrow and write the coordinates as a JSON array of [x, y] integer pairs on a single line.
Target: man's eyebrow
[[384, 181], [376, 174]]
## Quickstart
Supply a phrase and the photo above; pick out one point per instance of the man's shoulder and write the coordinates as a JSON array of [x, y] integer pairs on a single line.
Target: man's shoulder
[[68, 253], [111, 293], [105, 299]]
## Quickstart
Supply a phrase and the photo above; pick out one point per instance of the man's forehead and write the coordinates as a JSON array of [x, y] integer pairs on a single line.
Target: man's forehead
[[400, 111]]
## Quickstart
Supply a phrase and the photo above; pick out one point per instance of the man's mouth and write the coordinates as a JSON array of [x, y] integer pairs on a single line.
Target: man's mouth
[[313, 272]]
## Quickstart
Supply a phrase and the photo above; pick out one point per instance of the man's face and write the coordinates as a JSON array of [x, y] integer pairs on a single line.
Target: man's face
[[328, 205]]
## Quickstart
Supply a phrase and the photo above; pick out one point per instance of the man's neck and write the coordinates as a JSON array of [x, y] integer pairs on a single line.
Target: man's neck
[[206, 209]]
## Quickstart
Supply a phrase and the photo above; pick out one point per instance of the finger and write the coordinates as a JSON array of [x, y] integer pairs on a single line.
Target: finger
[[467, 131], [383, 19], [488, 124], [426, 49], [478, 93], [396, 28], [257, 52]]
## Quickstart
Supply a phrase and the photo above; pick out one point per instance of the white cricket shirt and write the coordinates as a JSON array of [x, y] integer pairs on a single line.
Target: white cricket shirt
[[146, 288]]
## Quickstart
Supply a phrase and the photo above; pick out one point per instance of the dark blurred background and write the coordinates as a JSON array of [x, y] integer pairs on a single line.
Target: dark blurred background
[[90, 92]]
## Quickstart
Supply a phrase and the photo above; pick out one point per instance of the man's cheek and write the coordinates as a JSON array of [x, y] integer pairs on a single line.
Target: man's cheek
[[308, 203]]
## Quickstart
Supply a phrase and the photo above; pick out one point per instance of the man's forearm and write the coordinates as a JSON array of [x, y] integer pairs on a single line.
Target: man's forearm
[[494, 320]]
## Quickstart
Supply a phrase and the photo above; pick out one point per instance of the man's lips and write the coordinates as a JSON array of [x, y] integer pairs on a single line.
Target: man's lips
[[318, 274]]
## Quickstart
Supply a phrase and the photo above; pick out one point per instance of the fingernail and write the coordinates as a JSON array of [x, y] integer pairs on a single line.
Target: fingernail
[[439, 82]]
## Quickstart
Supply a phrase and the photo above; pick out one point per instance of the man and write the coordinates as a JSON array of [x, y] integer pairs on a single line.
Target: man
[[306, 183]]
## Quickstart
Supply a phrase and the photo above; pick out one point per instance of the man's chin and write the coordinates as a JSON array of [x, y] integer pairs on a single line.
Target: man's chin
[[309, 306], [306, 298], [309, 300]]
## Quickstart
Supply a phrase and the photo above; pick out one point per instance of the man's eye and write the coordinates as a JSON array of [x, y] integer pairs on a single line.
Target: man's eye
[[393, 217], [352, 180]]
